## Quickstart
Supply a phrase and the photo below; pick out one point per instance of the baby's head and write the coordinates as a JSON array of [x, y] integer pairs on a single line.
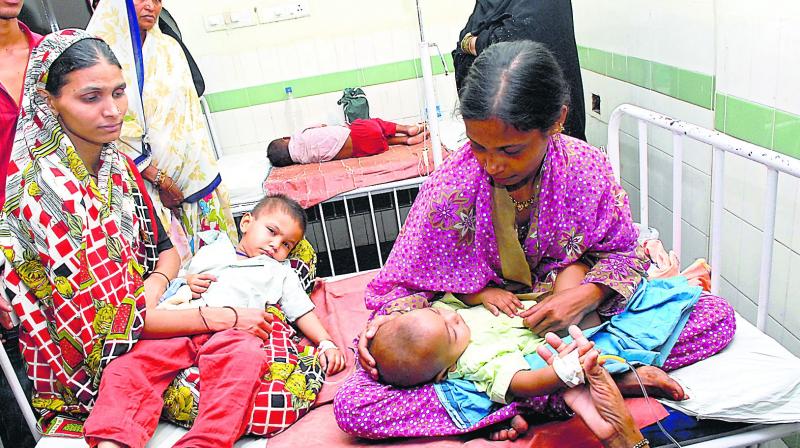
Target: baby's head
[[278, 152], [273, 228], [419, 346]]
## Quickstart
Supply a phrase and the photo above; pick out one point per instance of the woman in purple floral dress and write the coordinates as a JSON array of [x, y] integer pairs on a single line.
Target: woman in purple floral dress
[[506, 213]]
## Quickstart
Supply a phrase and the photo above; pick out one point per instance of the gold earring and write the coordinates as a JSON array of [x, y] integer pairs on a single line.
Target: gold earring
[[559, 128]]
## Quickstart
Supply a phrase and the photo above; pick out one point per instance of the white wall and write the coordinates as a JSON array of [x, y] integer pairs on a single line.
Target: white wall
[[752, 50], [338, 36]]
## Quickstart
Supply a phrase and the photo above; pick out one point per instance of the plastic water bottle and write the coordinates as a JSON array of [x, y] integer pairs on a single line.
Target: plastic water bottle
[[292, 110]]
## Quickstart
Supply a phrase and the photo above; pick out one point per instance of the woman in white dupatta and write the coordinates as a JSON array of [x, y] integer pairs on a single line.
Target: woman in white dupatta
[[181, 170]]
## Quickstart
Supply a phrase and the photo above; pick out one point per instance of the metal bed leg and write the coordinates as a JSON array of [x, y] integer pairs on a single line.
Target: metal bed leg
[[644, 195], [375, 228], [328, 246], [397, 210], [19, 394], [677, 191], [350, 232], [717, 176], [766, 249]]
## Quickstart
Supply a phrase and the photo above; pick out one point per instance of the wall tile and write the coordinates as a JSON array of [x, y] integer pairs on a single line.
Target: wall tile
[[346, 55], [225, 125], [786, 209], [629, 158], [749, 260], [696, 88], [597, 60], [731, 246], [695, 244], [634, 198], [764, 39], [779, 281], [788, 65], [749, 121], [719, 112], [792, 316], [696, 202], [665, 79], [639, 72], [618, 66], [661, 219], [245, 126], [787, 134]]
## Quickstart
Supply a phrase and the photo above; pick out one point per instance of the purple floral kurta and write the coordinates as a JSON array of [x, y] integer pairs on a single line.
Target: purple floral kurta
[[448, 244]]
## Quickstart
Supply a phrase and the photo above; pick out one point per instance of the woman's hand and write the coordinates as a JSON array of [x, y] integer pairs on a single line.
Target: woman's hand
[[599, 403], [168, 191], [334, 361], [199, 283], [496, 300], [364, 357], [154, 288], [254, 321], [562, 309], [5, 314]]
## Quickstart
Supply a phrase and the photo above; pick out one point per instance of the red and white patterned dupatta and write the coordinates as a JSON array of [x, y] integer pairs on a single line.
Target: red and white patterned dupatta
[[76, 250]]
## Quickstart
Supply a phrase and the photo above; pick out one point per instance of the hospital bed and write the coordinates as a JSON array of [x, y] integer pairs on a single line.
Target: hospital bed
[[755, 354]]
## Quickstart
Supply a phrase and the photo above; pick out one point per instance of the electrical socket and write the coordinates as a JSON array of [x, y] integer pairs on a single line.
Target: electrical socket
[[286, 11], [299, 8]]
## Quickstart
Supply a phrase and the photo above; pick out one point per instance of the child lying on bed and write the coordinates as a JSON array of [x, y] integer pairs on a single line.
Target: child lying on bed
[[451, 341], [323, 143], [254, 273]]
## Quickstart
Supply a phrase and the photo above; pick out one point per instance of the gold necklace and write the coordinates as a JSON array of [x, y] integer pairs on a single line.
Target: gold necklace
[[522, 205]]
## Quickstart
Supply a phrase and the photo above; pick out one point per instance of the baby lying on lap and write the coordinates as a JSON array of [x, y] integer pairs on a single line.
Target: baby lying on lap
[[494, 351], [255, 274]]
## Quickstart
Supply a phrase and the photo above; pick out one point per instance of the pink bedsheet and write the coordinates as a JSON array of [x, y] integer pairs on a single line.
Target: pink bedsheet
[[340, 306], [317, 182]]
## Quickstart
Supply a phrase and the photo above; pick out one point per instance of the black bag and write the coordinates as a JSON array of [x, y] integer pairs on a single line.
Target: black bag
[[354, 103]]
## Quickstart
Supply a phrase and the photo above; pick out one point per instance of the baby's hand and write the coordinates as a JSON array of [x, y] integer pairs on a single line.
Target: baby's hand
[[199, 283], [334, 360], [499, 300]]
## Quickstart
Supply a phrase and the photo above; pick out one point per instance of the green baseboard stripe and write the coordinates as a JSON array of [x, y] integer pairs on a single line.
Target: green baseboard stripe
[[325, 83], [758, 124], [685, 85]]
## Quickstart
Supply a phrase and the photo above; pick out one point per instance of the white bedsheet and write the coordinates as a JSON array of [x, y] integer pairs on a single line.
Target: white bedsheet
[[243, 175], [753, 380]]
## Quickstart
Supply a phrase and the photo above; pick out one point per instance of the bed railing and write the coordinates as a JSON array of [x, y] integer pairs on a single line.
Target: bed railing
[[369, 193], [721, 144]]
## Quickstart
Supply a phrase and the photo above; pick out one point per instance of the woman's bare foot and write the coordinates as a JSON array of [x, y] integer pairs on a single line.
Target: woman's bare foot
[[656, 382], [519, 426]]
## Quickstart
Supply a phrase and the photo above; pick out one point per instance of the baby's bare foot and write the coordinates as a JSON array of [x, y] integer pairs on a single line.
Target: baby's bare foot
[[416, 139], [414, 129], [519, 426], [656, 382]]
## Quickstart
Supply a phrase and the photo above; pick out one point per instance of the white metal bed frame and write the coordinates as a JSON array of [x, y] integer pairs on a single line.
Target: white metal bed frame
[[721, 143]]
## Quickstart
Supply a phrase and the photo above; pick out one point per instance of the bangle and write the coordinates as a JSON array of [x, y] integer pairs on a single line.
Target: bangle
[[235, 315], [163, 275], [200, 312], [465, 43], [642, 443], [160, 174]]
